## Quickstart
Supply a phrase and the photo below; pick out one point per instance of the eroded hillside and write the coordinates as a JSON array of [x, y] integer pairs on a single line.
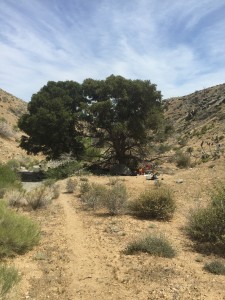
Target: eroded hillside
[[198, 119], [11, 108]]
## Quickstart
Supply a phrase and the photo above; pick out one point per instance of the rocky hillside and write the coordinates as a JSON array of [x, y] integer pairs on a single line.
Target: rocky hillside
[[11, 108], [198, 119]]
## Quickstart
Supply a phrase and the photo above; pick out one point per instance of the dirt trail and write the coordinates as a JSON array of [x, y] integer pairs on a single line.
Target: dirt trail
[[91, 277]]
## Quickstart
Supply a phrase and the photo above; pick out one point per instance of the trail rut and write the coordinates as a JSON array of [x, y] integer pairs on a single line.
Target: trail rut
[[90, 275]]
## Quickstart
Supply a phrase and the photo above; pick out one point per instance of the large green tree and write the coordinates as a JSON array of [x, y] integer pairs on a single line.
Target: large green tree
[[52, 125], [121, 113]]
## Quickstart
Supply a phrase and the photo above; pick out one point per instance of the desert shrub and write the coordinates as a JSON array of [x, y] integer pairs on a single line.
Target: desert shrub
[[182, 141], [39, 197], [157, 203], [83, 179], [116, 198], [9, 276], [215, 267], [95, 196], [18, 234], [55, 188], [154, 245], [207, 225], [205, 157], [16, 198], [13, 164], [218, 194], [182, 160], [84, 187], [71, 185], [6, 130], [113, 180], [8, 179], [64, 170], [163, 148]]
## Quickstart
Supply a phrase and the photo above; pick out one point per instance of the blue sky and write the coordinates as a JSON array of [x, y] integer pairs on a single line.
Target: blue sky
[[176, 44]]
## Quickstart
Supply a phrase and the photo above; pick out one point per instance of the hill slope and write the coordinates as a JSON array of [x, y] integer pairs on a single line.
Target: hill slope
[[198, 118], [11, 108]]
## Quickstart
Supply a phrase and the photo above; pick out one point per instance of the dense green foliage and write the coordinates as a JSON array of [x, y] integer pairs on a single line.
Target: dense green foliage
[[120, 114], [51, 124], [157, 203], [64, 170], [154, 245], [115, 115], [18, 234]]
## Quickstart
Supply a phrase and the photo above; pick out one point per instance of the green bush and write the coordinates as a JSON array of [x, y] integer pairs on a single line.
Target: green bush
[[8, 179], [157, 203], [154, 245], [207, 225], [18, 234], [215, 267], [8, 278], [218, 194], [63, 171]]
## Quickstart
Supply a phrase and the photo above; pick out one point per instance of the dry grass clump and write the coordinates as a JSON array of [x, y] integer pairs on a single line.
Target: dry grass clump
[[71, 185], [9, 276], [16, 198], [39, 197], [96, 196], [93, 196], [153, 245], [117, 198], [6, 130], [183, 160], [157, 203]]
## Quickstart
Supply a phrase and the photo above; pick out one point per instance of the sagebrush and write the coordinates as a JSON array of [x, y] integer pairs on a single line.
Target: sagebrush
[[215, 267], [71, 185], [151, 244], [157, 203], [8, 179], [18, 234], [206, 226]]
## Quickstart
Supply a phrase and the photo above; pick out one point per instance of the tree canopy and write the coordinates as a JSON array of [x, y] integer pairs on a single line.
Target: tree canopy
[[120, 113], [116, 113], [52, 122]]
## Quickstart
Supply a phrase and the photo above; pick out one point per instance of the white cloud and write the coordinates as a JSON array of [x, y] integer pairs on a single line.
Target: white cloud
[[177, 45]]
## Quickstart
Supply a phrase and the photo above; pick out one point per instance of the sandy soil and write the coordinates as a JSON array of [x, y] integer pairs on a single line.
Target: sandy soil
[[80, 254]]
